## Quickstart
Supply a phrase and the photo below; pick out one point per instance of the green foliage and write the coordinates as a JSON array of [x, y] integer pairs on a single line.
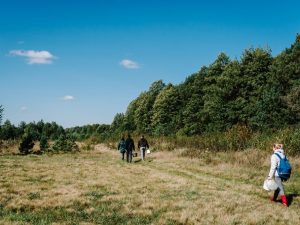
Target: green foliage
[[144, 111], [165, 109], [26, 144], [94, 131], [118, 123], [65, 144], [259, 92], [8, 131], [44, 145], [291, 139]]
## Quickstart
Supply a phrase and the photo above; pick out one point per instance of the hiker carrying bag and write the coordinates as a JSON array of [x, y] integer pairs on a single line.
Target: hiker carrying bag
[[284, 168]]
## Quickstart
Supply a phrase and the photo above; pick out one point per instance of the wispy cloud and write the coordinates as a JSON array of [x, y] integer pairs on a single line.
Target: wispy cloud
[[20, 42], [68, 98], [34, 57], [23, 108], [129, 64]]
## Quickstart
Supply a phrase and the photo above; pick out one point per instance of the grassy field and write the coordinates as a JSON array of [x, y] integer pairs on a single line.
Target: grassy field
[[96, 187]]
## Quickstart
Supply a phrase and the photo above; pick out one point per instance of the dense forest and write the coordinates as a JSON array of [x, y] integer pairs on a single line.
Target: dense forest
[[258, 93]]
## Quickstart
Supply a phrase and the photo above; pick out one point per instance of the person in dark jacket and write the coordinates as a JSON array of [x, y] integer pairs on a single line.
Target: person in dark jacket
[[143, 145], [122, 147], [129, 148]]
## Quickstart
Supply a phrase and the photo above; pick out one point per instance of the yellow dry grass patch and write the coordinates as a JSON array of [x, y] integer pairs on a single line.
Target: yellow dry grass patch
[[182, 190]]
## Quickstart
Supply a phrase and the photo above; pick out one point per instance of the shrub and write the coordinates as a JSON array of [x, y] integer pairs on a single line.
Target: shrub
[[291, 140], [44, 144], [26, 144], [237, 138], [64, 143]]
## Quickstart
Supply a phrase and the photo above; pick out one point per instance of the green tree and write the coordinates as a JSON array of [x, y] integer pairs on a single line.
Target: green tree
[[65, 144], [213, 107], [44, 146], [192, 93], [144, 106], [292, 101], [255, 68], [32, 129], [286, 80], [26, 144], [8, 131], [165, 111], [117, 125], [21, 129]]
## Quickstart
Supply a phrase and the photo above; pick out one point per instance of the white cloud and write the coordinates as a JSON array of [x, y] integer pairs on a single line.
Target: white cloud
[[23, 108], [34, 57], [68, 98], [129, 64]]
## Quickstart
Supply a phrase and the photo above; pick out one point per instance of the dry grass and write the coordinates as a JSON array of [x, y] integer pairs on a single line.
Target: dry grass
[[96, 187]]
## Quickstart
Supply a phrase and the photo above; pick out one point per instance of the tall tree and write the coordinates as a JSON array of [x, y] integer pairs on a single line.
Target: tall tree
[[213, 106], [192, 103], [117, 125], [255, 68], [144, 109], [165, 111]]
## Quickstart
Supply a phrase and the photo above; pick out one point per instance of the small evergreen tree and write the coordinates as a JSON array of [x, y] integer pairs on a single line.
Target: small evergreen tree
[[26, 144], [44, 144], [63, 143]]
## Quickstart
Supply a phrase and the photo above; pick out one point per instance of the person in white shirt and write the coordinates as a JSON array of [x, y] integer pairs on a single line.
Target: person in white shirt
[[278, 149]]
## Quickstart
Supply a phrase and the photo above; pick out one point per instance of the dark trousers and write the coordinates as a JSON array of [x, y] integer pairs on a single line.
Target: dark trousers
[[123, 155], [129, 156]]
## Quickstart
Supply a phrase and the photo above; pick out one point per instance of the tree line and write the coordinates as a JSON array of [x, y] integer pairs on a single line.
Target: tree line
[[44, 133], [256, 93]]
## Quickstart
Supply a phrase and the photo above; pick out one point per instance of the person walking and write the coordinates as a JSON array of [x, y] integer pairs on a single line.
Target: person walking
[[275, 160], [129, 148], [143, 145], [122, 147]]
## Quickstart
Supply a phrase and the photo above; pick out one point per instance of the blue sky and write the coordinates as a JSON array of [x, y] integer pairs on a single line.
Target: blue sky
[[81, 62]]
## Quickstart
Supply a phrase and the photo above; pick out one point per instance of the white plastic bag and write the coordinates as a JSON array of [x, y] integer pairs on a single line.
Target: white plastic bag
[[148, 151], [270, 185]]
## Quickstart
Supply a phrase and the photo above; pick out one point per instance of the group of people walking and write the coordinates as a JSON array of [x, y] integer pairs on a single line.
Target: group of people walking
[[127, 147]]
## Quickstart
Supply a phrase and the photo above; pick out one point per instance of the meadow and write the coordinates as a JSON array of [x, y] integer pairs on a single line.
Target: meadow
[[97, 187]]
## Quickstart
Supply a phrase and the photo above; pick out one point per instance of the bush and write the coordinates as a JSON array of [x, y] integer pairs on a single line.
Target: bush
[[44, 144], [291, 141], [66, 144], [237, 138], [26, 144]]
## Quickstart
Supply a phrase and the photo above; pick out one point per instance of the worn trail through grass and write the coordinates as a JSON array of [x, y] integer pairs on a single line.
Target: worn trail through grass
[[96, 187]]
